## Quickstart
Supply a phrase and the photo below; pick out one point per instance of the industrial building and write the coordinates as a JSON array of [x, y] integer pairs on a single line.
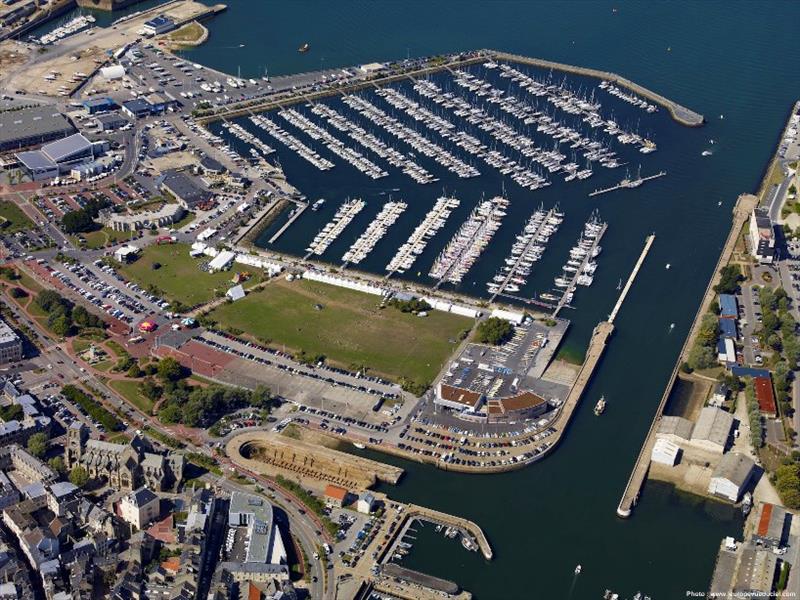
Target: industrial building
[[32, 126], [98, 105], [60, 157], [665, 452], [712, 431], [731, 476], [184, 189], [674, 429], [10, 344], [773, 526], [158, 25], [762, 236], [111, 121]]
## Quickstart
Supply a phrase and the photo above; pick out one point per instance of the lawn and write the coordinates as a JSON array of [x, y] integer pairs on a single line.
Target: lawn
[[102, 237], [129, 389], [179, 276], [12, 219], [187, 218], [347, 327], [191, 32]]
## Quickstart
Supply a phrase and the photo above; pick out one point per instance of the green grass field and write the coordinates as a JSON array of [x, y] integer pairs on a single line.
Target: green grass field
[[102, 237], [349, 328], [12, 219], [179, 277], [130, 391]]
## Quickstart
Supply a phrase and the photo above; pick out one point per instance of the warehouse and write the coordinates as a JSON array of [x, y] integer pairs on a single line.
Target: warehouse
[[712, 431], [674, 429], [111, 121], [136, 109], [184, 189], [32, 126], [98, 105], [731, 476], [665, 452], [59, 156]]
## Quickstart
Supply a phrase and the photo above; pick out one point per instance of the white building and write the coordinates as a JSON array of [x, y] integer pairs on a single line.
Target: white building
[[366, 503], [125, 253], [731, 477], [235, 293], [113, 72], [139, 507], [762, 236], [665, 452]]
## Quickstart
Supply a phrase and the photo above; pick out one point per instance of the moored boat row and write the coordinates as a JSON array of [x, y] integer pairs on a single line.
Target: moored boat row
[[361, 248], [344, 215], [415, 245]]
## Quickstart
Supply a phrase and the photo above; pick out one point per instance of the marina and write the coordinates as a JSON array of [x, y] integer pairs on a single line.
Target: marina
[[361, 248], [469, 242], [434, 220], [529, 247], [581, 266], [71, 27], [292, 143], [344, 215]]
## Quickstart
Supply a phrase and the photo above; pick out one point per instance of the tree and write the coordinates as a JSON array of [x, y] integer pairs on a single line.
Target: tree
[[169, 369], [37, 444], [709, 330], [730, 277], [79, 476], [701, 357], [18, 292], [57, 464], [494, 331]]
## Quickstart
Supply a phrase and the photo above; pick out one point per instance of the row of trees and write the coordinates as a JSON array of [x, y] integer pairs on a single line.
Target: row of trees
[[703, 354], [64, 318], [754, 415], [787, 480]]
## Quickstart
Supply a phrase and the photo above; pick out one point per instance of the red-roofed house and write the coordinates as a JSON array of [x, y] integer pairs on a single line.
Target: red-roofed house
[[765, 396], [335, 495]]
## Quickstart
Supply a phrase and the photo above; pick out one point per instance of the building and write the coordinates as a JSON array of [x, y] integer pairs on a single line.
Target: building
[[727, 328], [137, 108], [251, 518], [728, 306], [712, 431], [762, 236], [211, 166], [60, 156], [126, 253], [111, 121], [773, 526], [674, 429], [158, 25], [32, 127], [765, 396], [139, 508], [168, 214], [335, 495], [126, 467], [719, 395], [731, 476], [366, 503], [665, 452], [10, 344], [726, 351], [184, 189], [756, 575], [99, 105], [457, 398]]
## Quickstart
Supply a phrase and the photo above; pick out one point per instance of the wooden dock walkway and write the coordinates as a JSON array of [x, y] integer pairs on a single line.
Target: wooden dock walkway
[[627, 184], [300, 210], [648, 242]]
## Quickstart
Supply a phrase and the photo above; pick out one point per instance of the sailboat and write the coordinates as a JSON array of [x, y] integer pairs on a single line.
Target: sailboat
[[600, 407]]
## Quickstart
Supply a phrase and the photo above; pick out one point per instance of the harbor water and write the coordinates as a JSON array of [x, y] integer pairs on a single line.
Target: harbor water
[[734, 63]]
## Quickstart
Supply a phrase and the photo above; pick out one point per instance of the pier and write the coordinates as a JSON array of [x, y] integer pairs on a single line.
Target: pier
[[627, 184], [579, 271], [630, 495], [299, 211], [648, 242]]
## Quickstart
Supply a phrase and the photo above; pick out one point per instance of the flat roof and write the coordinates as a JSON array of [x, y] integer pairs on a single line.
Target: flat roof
[[184, 187], [6, 333], [765, 395], [44, 121]]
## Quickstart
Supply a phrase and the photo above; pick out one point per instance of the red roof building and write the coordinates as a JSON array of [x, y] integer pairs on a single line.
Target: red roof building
[[765, 396], [335, 495]]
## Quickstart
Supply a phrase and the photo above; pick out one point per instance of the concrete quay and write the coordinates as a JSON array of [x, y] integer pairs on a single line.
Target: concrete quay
[[630, 496], [681, 114]]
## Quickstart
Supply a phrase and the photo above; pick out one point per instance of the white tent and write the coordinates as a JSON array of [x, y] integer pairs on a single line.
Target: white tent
[[235, 293]]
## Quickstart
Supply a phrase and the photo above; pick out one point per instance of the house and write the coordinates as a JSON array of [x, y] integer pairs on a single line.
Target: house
[[719, 395], [765, 396], [712, 431], [335, 495], [665, 452], [139, 508], [366, 503], [731, 476], [728, 306]]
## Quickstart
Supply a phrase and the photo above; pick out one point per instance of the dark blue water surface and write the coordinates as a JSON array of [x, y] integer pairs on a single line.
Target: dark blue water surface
[[739, 60]]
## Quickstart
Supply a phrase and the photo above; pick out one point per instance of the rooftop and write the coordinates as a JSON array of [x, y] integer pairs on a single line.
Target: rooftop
[[734, 467], [335, 492], [43, 121], [713, 425]]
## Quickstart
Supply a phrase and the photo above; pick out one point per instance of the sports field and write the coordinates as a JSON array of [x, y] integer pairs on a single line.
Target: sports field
[[179, 276], [347, 327]]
